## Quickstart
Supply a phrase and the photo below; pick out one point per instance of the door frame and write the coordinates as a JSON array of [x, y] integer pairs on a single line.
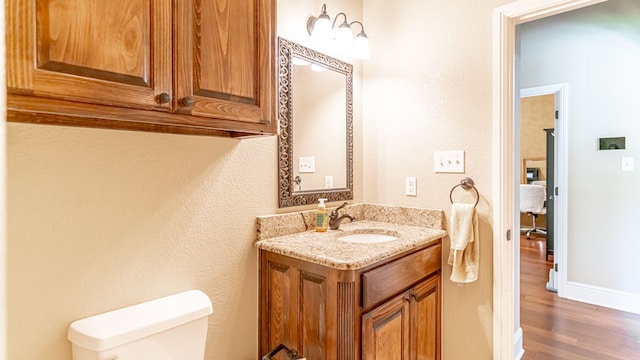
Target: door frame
[[505, 20]]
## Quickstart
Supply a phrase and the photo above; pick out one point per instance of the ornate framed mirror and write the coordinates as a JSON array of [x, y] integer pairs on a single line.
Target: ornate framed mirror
[[315, 114]]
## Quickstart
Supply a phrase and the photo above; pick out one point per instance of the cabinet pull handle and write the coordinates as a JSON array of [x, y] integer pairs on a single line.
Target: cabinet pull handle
[[164, 98], [187, 101]]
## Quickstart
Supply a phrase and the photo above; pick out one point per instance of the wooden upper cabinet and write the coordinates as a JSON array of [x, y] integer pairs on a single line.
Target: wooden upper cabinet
[[223, 59], [188, 66], [93, 51]]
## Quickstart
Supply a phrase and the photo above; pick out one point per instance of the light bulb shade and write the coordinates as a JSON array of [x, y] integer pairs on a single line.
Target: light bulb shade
[[361, 47], [322, 27], [344, 39], [321, 33]]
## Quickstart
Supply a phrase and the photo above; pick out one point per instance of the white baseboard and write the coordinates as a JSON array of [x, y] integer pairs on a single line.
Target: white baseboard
[[614, 299], [518, 349]]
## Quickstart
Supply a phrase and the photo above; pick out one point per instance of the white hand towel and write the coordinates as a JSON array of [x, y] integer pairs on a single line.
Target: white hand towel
[[464, 255]]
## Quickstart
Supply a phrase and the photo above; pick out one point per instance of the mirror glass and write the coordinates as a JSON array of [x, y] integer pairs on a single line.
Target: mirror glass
[[315, 134]]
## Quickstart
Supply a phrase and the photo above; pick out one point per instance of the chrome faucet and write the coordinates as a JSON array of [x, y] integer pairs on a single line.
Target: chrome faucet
[[335, 220]]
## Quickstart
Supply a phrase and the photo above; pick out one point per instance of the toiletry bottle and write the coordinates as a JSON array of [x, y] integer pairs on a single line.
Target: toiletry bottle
[[322, 216]]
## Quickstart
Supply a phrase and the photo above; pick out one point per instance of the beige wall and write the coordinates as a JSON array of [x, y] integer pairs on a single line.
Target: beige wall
[[536, 114], [428, 87], [100, 219]]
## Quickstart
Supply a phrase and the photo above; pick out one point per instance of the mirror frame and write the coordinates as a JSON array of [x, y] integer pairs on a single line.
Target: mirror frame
[[286, 188]]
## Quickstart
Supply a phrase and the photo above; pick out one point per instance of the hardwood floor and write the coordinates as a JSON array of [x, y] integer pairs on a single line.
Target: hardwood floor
[[556, 328]]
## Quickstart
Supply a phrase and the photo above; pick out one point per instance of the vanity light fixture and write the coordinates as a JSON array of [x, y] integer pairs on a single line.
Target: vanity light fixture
[[320, 27], [343, 38], [328, 37], [360, 44]]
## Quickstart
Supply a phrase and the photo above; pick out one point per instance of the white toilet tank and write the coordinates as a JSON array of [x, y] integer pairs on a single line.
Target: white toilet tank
[[169, 328]]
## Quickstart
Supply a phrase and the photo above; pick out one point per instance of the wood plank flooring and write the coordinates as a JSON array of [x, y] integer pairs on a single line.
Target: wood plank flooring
[[556, 328]]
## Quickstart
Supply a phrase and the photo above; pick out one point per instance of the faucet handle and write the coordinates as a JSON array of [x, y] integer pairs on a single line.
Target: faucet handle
[[334, 212]]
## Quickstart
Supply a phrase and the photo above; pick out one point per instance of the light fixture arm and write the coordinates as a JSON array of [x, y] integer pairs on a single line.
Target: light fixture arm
[[311, 21], [345, 22], [361, 26]]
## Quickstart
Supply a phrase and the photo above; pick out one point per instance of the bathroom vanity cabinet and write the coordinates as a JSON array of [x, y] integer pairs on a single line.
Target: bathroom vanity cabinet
[[388, 309], [189, 66]]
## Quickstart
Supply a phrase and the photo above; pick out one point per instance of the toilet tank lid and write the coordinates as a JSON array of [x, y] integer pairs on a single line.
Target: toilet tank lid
[[108, 330]]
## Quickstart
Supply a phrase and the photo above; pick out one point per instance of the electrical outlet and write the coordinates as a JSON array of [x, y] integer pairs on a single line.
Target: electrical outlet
[[307, 164], [328, 182], [411, 186], [448, 161]]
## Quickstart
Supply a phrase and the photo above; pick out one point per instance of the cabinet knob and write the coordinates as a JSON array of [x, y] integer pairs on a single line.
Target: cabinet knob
[[164, 98], [187, 101]]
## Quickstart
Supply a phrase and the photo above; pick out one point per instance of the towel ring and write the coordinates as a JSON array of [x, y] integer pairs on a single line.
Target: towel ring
[[467, 184]]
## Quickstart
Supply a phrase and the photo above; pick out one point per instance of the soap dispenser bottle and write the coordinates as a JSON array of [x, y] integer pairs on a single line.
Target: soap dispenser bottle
[[322, 216]]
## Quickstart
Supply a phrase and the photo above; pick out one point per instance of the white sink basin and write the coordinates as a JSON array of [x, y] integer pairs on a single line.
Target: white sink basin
[[367, 238]]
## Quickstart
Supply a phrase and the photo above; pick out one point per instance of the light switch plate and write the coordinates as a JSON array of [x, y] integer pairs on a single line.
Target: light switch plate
[[627, 163], [307, 164], [448, 161]]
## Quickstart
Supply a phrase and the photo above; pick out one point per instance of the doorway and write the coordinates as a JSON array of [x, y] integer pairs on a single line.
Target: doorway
[[507, 334], [556, 196]]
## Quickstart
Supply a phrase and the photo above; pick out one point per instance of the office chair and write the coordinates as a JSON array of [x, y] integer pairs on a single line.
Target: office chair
[[532, 202]]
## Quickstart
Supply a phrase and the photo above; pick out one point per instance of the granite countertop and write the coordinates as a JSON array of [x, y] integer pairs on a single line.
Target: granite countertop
[[324, 248]]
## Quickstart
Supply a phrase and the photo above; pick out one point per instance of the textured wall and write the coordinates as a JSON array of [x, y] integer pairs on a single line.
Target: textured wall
[[536, 114], [428, 87], [100, 219]]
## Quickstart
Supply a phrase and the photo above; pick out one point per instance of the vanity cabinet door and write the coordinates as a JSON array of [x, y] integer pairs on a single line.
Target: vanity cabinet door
[[115, 52], [425, 320], [298, 307], [223, 60], [278, 299], [406, 327], [385, 330]]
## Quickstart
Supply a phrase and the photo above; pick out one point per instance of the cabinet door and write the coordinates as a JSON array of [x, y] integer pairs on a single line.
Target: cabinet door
[[278, 306], [115, 52], [425, 320], [314, 321], [385, 330], [224, 60]]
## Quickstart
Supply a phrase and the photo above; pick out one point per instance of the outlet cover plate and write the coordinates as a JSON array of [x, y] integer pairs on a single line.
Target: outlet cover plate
[[411, 186], [627, 163], [328, 182], [448, 161]]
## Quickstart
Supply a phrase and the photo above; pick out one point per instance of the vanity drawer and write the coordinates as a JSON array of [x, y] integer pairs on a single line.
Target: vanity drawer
[[395, 277]]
